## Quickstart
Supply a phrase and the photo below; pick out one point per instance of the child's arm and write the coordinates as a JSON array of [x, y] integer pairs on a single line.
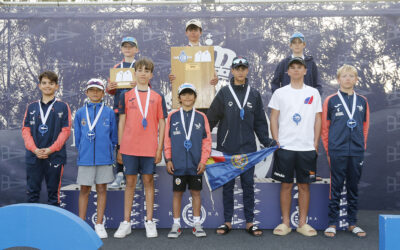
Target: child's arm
[[167, 146], [261, 123], [77, 129], [205, 147], [278, 75], [274, 118], [317, 130], [216, 111], [27, 135], [161, 131], [114, 129], [366, 125], [64, 134], [121, 127], [326, 123]]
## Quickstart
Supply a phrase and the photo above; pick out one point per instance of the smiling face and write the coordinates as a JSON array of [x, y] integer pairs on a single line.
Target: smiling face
[[47, 86], [187, 99], [94, 94]]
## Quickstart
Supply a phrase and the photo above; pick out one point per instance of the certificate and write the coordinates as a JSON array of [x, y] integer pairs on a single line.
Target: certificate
[[193, 65]]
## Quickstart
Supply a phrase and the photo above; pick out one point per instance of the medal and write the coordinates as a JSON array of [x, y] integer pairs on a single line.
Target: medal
[[144, 121], [43, 128], [188, 143], [296, 118], [351, 123], [237, 100], [91, 134]]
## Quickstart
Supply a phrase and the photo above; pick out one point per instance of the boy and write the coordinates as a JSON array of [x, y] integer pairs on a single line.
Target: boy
[[296, 126], [129, 48], [187, 146], [345, 123], [140, 135], [46, 128], [281, 77], [238, 111], [96, 137], [194, 30]]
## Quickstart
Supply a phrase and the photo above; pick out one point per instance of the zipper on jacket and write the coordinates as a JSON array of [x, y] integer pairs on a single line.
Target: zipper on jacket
[[226, 135], [94, 141]]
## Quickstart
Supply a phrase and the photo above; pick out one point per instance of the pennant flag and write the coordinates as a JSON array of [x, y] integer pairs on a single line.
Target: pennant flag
[[221, 168]]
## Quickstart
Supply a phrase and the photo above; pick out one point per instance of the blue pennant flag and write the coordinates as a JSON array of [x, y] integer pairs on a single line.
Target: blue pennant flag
[[221, 168]]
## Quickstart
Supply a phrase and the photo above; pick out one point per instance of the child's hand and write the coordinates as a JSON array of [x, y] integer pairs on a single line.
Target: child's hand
[[158, 156], [214, 81], [316, 144], [171, 77], [119, 158], [112, 85], [201, 168], [39, 152], [170, 167], [47, 151]]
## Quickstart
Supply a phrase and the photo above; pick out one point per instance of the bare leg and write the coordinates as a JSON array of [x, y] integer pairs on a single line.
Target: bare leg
[[176, 204], [128, 196], [286, 200], [83, 201], [196, 202], [148, 182], [304, 201], [101, 190]]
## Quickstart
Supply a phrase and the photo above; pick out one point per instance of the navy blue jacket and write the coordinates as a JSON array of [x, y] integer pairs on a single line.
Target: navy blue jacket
[[236, 136], [186, 162], [59, 130], [100, 150], [281, 77], [337, 138]]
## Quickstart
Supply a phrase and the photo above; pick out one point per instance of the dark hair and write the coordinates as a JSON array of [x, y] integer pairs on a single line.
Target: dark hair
[[49, 75], [194, 27], [146, 62]]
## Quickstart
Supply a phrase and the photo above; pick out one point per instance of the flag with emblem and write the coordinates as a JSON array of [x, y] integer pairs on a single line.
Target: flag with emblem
[[221, 168]]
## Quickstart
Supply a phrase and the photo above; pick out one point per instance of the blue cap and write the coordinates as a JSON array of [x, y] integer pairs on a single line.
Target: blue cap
[[297, 35], [131, 40], [186, 86]]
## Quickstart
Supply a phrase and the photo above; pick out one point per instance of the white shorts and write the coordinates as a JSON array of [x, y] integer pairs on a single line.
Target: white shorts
[[90, 175]]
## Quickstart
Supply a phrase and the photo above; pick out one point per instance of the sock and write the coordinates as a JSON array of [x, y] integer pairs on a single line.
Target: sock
[[196, 219], [177, 221]]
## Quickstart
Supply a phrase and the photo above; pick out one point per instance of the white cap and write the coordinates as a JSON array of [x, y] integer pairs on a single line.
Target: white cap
[[195, 22], [186, 86], [95, 83]]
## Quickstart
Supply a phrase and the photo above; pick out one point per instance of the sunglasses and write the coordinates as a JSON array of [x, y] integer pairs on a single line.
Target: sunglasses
[[240, 61]]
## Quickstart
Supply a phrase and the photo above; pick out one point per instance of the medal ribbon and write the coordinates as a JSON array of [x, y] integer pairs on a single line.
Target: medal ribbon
[[187, 136], [353, 109], [237, 100], [42, 116], [140, 103], [90, 125]]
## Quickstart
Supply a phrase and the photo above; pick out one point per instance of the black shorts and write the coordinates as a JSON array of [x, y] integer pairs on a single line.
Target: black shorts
[[194, 182], [287, 162]]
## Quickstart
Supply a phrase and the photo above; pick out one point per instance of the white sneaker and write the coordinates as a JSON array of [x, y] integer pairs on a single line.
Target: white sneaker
[[101, 231], [119, 179], [198, 230], [175, 231], [124, 229], [151, 230]]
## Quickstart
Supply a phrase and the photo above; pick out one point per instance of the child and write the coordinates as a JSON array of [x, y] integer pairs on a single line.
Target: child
[[141, 136], [238, 111], [296, 126], [96, 137], [129, 48], [46, 128], [281, 77], [345, 123], [194, 30], [187, 146]]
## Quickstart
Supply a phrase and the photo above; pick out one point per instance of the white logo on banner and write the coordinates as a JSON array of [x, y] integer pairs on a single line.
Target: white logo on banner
[[187, 214], [294, 217], [94, 219]]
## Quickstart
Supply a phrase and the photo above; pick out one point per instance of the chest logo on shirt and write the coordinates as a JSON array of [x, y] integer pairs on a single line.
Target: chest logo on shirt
[[83, 122], [60, 114], [360, 108], [337, 106], [106, 122], [132, 99], [230, 104], [309, 100], [175, 124], [198, 126], [249, 105], [176, 131], [33, 112]]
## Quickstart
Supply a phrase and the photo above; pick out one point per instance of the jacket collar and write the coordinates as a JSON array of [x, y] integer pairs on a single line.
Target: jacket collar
[[239, 87]]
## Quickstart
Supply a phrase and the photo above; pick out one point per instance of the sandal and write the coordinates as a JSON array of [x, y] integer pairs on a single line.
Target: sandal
[[331, 230], [225, 228], [356, 232], [306, 230], [282, 230], [253, 229]]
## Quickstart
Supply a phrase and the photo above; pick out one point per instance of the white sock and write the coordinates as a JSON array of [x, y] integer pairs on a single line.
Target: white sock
[[177, 221], [196, 219]]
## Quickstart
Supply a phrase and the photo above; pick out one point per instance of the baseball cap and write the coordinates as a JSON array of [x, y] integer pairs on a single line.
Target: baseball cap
[[131, 40], [195, 22], [95, 83], [186, 86], [297, 35], [298, 60], [239, 61]]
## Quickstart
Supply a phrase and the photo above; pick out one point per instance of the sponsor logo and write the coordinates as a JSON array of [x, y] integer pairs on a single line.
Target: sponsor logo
[[60, 114], [230, 104], [106, 122], [279, 174], [33, 112], [178, 181], [309, 100], [312, 174], [360, 108], [83, 122], [175, 124], [198, 126], [339, 114], [249, 105], [187, 214]]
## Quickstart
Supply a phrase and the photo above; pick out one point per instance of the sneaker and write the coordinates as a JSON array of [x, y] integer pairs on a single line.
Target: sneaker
[[101, 231], [151, 230], [124, 229], [175, 231], [198, 230], [119, 179]]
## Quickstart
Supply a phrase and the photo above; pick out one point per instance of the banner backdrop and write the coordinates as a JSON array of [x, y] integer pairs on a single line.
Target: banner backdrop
[[81, 42]]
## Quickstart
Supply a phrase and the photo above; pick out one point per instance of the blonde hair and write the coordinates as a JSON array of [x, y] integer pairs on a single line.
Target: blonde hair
[[346, 67]]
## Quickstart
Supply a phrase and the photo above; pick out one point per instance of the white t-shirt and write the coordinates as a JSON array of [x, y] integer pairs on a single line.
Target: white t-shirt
[[297, 109]]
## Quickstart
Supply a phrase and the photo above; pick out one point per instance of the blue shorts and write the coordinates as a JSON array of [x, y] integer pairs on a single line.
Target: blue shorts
[[138, 164]]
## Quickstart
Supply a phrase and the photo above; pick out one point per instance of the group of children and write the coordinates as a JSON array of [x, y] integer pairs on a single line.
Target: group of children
[[137, 130]]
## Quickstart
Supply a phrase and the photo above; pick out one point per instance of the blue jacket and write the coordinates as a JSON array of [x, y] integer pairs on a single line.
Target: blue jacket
[[100, 150], [186, 162], [59, 130], [337, 138], [236, 136], [281, 77]]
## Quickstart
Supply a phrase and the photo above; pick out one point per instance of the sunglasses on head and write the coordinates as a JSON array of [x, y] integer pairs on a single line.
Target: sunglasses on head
[[240, 61]]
